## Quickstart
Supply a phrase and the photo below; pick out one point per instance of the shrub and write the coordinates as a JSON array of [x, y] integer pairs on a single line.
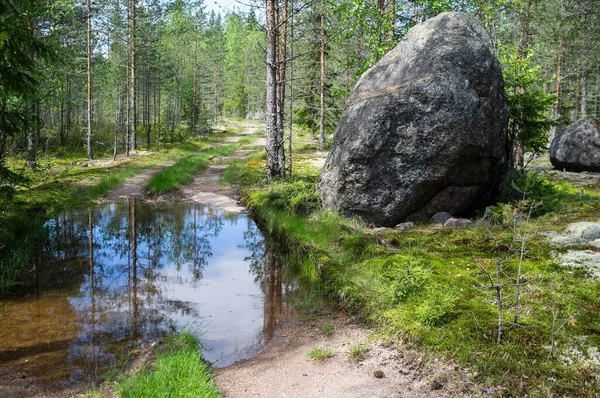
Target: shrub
[[437, 306]]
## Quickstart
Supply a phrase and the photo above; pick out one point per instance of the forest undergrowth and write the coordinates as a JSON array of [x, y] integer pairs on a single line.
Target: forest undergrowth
[[430, 288]]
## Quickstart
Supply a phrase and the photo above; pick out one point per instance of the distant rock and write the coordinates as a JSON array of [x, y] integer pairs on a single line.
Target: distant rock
[[440, 217], [424, 130], [577, 148], [405, 227], [579, 233], [457, 223]]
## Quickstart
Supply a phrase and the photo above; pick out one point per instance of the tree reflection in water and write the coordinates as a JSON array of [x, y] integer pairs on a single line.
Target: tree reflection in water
[[124, 274]]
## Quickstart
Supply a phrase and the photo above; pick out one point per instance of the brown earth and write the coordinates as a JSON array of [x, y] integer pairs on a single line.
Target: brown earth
[[284, 368]]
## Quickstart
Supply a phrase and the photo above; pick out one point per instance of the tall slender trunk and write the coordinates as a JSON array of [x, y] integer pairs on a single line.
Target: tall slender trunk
[[68, 112], [195, 85], [147, 102], [583, 96], [291, 92], [282, 64], [322, 83], [132, 101], [31, 142], [557, 106], [61, 130], [272, 134], [89, 81], [575, 114]]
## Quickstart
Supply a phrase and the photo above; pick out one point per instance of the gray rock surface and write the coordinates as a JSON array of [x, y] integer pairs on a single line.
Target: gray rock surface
[[579, 233], [577, 148], [405, 227], [440, 217], [424, 130], [457, 223]]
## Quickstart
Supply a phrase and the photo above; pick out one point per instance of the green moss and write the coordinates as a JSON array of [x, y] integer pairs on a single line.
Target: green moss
[[427, 286]]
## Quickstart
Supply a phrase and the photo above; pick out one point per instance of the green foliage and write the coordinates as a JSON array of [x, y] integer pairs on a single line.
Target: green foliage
[[298, 196], [356, 351], [530, 107], [179, 371], [327, 329], [402, 276], [184, 170], [437, 306], [532, 187], [320, 354], [424, 287]]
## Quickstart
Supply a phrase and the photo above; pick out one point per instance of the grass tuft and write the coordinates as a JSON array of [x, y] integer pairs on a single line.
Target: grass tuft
[[320, 354], [179, 371]]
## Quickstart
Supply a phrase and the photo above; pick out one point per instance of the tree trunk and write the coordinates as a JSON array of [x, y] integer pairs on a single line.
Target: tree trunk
[[31, 142], [147, 101], [583, 96], [282, 64], [89, 81], [132, 101], [273, 144], [195, 85], [557, 106], [322, 83], [575, 114], [291, 117]]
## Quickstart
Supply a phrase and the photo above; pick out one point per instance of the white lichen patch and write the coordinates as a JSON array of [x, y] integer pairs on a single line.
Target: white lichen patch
[[582, 354], [588, 260]]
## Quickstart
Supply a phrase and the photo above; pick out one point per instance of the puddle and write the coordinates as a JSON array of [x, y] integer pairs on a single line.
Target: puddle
[[124, 274]]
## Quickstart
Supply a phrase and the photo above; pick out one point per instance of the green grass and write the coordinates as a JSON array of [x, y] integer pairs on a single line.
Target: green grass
[[424, 287], [320, 354], [355, 352], [183, 172], [327, 329], [179, 371]]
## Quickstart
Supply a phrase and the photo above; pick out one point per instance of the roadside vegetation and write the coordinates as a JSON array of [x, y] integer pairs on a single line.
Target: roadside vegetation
[[430, 288], [183, 172], [179, 371]]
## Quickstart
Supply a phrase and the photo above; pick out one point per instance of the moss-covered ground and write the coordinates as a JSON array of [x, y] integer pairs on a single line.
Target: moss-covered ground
[[429, 287]]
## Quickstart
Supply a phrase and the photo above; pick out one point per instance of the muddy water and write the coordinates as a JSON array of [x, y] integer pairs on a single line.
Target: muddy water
[[121, 276]]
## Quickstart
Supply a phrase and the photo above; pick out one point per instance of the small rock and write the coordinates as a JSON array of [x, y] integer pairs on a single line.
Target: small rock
[[405, 227], [378, 374], [457, 223], [436, 385], [441, 217]]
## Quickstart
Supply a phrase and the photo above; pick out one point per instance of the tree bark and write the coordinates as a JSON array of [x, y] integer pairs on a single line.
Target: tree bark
[[132, 101], [89, 81], [272, 134], [322, 82], [281, 66], [583, 96]]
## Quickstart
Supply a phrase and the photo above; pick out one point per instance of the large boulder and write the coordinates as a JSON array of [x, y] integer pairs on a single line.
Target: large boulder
[[424, 130], [577, 148]]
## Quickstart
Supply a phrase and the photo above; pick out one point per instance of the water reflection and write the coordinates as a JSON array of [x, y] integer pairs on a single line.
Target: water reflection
[[124, 274]]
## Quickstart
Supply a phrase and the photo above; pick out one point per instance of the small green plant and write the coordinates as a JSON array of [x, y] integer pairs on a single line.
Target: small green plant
[[327, 329], [320, 354], [356, 351], [402, 277], [437, 306]]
